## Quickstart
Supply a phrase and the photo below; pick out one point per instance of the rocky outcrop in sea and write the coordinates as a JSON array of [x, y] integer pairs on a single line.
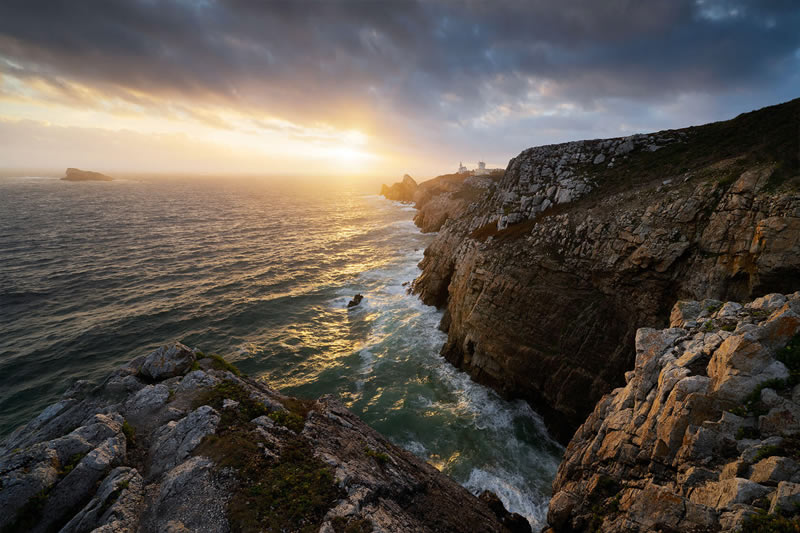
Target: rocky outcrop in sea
[[76, 174], [704, 436], [178, 441], [402, 191], [546, 273]]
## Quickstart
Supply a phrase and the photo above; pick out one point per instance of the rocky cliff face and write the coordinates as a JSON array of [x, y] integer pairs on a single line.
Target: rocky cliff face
[[402, 191], [177, 441], [704, 436], [546, 274]]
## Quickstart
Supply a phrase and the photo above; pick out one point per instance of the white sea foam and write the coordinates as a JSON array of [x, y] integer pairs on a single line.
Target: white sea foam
[[506, 486]]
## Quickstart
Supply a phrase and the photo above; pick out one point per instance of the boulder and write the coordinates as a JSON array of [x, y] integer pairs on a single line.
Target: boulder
[[167, 361]]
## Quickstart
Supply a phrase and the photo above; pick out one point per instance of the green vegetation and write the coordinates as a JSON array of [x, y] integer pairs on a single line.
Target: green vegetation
[[752, 401], [767, 451], [713, 308], [708, 326], [217, 363], [289, 420], [763, 522], [72, 462], [747, 433], [290, 494], [718, 151], [247, 409], [113, 497], [130, 434], [790, 356], [380, 457]]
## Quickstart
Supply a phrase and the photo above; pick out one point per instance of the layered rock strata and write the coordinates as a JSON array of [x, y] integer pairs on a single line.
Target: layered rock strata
[[704, 436], [546, 275], [177, 441]]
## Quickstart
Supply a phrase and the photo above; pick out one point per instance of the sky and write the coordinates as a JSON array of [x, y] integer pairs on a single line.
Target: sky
[[371, 87]]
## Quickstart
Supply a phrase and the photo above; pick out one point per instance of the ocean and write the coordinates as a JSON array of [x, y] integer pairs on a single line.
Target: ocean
[[93, 274]]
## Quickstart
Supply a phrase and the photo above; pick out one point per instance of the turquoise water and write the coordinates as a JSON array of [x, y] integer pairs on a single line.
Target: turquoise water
[[92, 274]]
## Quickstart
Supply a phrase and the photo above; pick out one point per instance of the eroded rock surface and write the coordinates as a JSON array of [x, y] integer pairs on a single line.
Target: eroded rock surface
[[547, 274], [179, 441], [704, 435]]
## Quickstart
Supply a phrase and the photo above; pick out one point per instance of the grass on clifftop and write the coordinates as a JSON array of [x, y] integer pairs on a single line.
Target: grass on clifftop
[[292, 493], [217, 363], [766, 136]]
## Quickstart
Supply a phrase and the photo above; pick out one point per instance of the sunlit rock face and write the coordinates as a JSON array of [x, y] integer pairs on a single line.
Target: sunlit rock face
[[179, 441], [548, 272], [705, 433], [402, 191]]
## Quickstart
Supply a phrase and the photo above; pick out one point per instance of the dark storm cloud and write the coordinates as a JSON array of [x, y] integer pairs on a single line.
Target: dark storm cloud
[[443, 60]]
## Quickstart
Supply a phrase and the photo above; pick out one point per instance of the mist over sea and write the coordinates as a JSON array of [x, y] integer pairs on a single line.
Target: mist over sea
[[93, 274]]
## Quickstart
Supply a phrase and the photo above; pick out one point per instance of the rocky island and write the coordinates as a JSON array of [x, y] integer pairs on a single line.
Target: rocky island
[[76, 174]]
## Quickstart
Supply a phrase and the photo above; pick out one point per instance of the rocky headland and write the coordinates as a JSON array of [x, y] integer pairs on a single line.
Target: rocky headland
[[76, 174], [402, 191], [546, 272], [179, 441]]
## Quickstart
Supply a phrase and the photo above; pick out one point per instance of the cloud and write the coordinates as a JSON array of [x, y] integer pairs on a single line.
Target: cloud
[[406, 67]]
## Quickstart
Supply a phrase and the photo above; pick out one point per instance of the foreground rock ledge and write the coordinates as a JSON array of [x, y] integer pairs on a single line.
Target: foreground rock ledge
[[705, 435], [178, 441]]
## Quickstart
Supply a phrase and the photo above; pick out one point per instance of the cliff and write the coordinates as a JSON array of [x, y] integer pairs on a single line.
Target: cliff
[[443, 197], [178, 441], [402, 191], [705, 434], [546, 273], [76, 174]]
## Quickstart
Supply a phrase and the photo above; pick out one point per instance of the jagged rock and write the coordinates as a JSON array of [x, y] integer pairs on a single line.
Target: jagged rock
[[167, 361], [176, 440], [785, 497], [772, 470], [665, 452], [402, 191], [194, 461], [552, 318], [513, 521], [115, 505], [355, 301]]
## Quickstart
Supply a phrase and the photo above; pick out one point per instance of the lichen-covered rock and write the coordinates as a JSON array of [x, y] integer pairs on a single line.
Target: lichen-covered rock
[[167, 361], [683, 446], [209, 450]]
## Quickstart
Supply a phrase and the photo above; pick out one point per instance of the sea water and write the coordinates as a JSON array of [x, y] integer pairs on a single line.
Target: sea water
[[260, 271]]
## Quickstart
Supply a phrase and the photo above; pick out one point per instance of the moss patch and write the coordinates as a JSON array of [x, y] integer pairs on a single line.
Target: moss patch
[[130, 434], [763, 522], [291, 494], [217, 363], [380, 457]]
